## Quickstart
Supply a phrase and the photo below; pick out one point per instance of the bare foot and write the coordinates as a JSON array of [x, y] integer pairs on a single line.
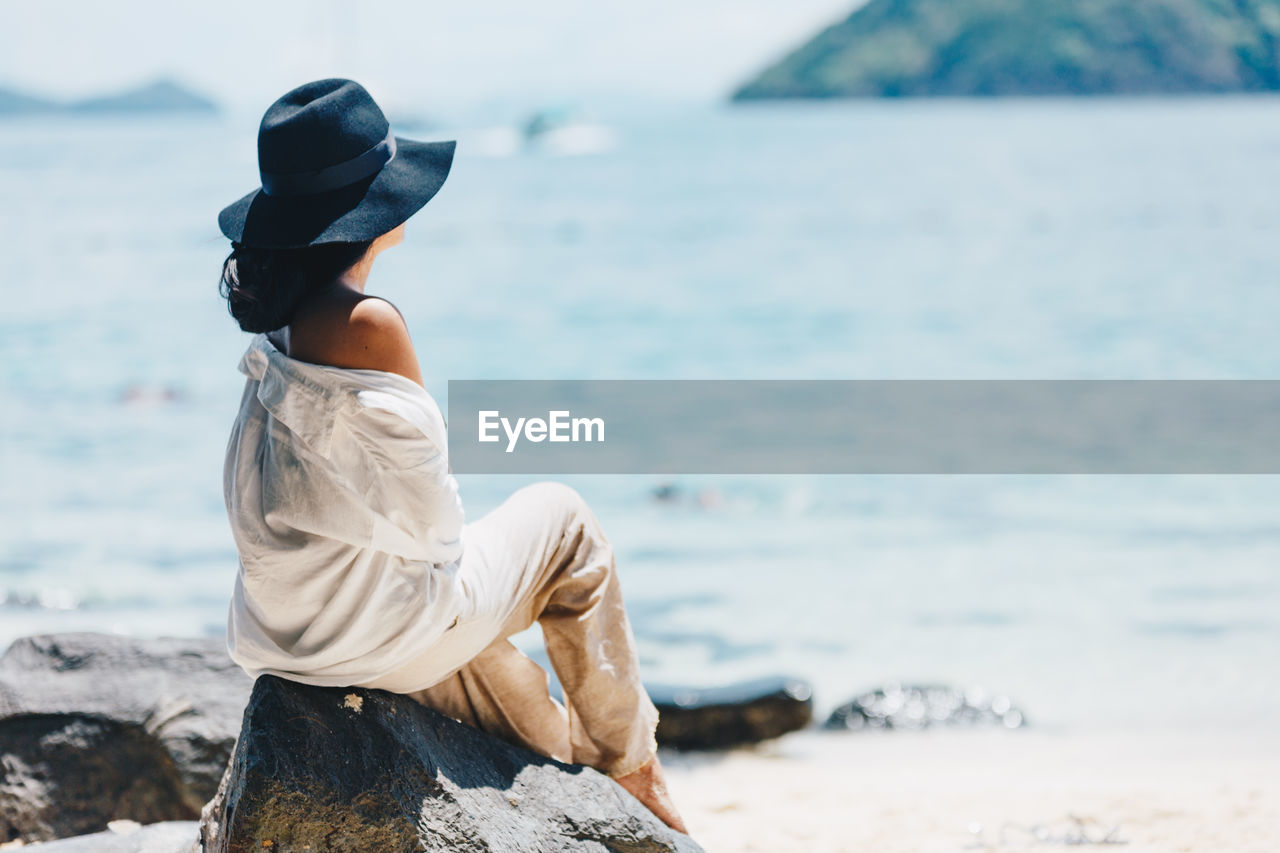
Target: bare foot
[[649, 786]]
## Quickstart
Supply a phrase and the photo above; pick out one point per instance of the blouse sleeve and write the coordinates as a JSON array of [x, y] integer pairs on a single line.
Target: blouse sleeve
[[412, 488]]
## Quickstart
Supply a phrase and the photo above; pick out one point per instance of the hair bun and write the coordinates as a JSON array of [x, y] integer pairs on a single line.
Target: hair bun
[[265, 287]]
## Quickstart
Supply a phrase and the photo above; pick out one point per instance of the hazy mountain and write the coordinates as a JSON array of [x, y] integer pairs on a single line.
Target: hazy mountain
[[161, 95], [158, 96], [896, 48], [13, 102]]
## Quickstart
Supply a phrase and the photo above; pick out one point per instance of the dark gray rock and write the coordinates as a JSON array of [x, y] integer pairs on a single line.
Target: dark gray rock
[[736, 714], [357, 770], [170, 837], [896, 706], [96, 727]]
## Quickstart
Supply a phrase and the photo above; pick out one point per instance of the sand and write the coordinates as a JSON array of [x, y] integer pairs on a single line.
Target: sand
[[951, 790]]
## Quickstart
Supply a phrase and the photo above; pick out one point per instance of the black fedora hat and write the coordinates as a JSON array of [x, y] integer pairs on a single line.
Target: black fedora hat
[[332, 171]]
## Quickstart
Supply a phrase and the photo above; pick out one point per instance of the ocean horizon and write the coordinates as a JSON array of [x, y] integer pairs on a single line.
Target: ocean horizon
[[1126, 238]]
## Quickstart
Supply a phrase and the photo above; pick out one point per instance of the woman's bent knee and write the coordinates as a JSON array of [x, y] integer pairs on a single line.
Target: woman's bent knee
[[556, 497]]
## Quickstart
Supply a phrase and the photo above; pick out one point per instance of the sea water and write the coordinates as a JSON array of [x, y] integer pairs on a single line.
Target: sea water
[[1047, 239]]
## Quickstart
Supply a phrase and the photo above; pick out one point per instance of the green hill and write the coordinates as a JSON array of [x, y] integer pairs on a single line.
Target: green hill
[[901, 48]]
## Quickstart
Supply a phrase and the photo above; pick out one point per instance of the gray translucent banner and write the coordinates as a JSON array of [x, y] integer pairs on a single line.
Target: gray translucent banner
[[864, 427]]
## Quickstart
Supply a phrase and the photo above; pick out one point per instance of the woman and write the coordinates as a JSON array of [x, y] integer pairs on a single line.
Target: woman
[[355, 565]]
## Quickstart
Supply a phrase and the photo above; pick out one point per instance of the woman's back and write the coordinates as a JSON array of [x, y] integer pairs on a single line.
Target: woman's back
[[345, 516]]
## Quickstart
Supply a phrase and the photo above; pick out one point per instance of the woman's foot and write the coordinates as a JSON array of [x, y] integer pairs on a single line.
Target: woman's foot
[[649, 786]]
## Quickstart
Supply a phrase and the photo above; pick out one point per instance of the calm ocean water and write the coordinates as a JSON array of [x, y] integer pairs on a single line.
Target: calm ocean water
[[1057, 239]]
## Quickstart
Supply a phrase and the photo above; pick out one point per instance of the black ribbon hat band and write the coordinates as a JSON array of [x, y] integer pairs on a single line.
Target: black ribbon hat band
[[333, 177]]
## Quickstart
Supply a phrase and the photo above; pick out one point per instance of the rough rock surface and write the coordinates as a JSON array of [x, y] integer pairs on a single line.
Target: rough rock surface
[[358, 770], [720, 717], [896, 706], [96, 727]]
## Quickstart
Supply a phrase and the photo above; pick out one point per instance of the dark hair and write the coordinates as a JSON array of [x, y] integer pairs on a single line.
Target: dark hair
[[265, 287]]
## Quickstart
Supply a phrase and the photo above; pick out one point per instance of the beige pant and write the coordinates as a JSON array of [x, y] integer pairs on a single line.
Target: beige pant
[[541, 556]]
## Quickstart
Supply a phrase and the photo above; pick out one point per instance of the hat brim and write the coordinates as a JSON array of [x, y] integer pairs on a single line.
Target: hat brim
[[351, 214]]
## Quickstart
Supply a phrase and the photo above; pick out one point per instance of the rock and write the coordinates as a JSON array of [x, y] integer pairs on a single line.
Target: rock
[[902, 48], [917, 707], [364, 770], [96, 727], [720, 717], [170, 837]]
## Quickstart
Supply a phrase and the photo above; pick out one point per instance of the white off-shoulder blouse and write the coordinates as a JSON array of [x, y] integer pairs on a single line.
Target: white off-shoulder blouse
[[346, 518]]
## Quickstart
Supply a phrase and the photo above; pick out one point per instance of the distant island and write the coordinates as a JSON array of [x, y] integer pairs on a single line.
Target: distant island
[[160, 96], [905, 48]]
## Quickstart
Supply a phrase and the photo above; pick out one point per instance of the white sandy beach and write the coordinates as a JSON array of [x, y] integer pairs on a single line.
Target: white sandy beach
[[985, 790]]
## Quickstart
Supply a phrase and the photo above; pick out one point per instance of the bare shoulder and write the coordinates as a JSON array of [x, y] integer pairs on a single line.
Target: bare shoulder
[[362, 332], [377, 338], [373, 321]]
